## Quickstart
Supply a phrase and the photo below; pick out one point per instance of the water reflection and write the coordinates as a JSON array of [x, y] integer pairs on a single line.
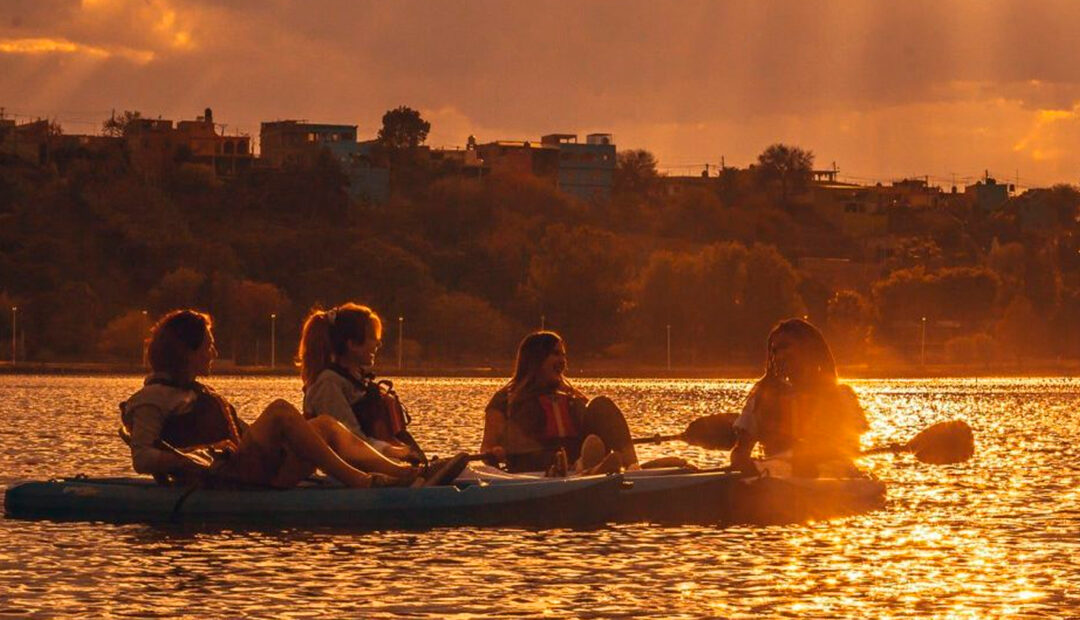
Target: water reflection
[[995, 536]]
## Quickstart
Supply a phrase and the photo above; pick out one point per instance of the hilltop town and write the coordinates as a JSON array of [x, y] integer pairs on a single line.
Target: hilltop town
[[464, 249]]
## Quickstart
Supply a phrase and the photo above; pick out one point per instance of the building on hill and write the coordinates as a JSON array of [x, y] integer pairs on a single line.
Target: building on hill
[[296, 144], [855, 210], [863, 210], [674, 185], [465, 162], [988, 195], [521, 157], [587, 170], [29, 142], [155, 146], [41, 143], [284, 144]]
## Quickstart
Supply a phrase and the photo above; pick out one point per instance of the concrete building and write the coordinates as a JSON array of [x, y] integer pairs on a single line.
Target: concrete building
[[30, 142], [155, 146], [855, 210], [521, 158], [587, 170], [295, 144], [988, 195]]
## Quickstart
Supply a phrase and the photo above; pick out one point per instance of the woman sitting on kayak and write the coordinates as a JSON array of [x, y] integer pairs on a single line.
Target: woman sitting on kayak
[[337, 353], [174, 419], [538, 415], [797, 409]]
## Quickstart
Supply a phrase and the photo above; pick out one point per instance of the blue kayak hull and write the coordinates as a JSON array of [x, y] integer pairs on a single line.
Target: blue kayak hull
[[551, 503], [727, 498], [677, 496]]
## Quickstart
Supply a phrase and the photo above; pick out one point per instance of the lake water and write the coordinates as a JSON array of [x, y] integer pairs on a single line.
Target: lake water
[[997, 536]]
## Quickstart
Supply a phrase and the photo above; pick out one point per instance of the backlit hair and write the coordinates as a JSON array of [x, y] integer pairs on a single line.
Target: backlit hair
[[326, 335], [531, 353], [173, 339], [822, 366]]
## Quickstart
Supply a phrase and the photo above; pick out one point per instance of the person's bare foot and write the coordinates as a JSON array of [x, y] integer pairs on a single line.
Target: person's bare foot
[[593, 452]]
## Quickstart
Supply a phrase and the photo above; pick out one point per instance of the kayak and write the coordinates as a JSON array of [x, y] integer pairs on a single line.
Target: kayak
[[674, 496], [545, 503], [482, 495]]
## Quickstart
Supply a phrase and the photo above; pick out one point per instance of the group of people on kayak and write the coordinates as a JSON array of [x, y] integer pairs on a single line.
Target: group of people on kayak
[[354, 428]]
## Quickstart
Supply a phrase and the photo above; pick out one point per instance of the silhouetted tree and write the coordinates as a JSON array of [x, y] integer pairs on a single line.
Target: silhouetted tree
[[403, 128], [788, 167], [116, 126], [635, 173]]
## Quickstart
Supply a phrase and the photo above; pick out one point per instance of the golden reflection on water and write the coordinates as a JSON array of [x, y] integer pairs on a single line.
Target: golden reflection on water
[[996, 536]]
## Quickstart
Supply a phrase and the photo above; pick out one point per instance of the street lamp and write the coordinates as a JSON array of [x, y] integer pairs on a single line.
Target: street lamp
[[273, 340], [400, 342], [14, 313], [922, 344], [669, 346]]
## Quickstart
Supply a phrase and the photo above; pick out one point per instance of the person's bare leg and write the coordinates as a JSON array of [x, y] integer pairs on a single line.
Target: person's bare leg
[[280, 424], [357, 452]]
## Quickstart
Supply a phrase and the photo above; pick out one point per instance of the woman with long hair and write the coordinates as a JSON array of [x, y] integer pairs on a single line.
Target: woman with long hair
[[337, 354], [174, 422], [538, 418], [798, 408]]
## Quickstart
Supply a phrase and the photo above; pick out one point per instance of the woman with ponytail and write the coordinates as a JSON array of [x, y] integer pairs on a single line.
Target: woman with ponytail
[[337, 354], [798, 409]]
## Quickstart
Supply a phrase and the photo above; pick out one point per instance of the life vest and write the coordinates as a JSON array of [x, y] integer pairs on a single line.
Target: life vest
[[543, 422], [804, 421], [778, 426], [211, 421], [558, 421], [379, 411]]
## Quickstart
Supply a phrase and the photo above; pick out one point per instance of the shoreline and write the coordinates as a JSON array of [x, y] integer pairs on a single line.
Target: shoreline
[[1063, 369]]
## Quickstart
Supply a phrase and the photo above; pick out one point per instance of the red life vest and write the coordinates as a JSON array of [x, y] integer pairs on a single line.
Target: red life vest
[[558, 421]]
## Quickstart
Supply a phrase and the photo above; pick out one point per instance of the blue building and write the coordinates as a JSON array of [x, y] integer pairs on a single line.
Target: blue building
[[587, 170], [291, 143]]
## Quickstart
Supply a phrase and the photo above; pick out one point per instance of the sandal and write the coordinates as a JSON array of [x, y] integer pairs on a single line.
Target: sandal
[[444, 471]]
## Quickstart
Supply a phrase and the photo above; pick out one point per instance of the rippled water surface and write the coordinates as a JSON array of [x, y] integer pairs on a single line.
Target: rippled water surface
[[998, 536]]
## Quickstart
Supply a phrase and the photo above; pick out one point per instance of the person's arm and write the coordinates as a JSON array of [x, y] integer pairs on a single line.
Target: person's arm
[[494, 428], [146, 457], [854, 422], [745, 436]]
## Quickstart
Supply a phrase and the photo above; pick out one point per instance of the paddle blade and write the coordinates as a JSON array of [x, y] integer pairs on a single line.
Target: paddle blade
[[943, 443], [715, 432]]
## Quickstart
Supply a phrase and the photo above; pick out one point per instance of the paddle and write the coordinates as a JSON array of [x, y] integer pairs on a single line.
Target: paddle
[[943, 443], [714, 432], [939, 444]]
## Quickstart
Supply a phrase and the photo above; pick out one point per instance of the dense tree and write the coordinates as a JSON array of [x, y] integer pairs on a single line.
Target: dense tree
[[116, 126], [786, 167], [848, 325], [403, 128], [635, 173], [577, 280]]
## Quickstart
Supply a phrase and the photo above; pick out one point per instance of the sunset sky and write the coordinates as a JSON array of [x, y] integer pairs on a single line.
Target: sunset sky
[[885, 90]]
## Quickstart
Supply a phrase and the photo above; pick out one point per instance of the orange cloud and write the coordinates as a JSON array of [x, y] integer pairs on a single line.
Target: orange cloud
[[45, 45]]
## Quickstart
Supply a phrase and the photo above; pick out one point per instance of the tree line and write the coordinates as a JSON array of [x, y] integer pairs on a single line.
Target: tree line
[[91, 253]]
